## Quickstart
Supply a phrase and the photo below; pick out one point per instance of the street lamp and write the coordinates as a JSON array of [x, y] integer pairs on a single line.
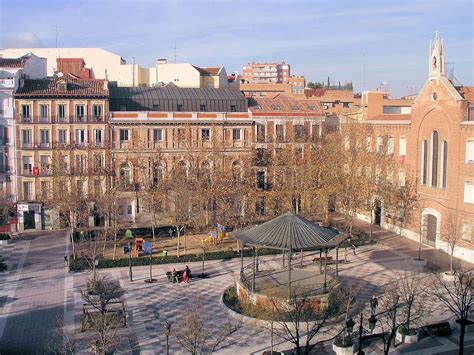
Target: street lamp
[[363, 331], [167, 328], [130, 260]]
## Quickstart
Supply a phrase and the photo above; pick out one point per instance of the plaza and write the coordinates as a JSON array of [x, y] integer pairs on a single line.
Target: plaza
[[37, 289]]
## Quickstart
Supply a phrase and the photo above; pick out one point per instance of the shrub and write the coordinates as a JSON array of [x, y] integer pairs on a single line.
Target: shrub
[[4, 236], [81, 264], [343, 342], [407, 331]]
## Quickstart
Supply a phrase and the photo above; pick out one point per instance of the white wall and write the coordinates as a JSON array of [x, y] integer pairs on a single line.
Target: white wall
[[180, 74]]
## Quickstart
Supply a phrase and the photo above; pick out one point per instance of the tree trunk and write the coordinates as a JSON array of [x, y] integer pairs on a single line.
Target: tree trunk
[[451, 259], [179, 239], [115, 244], [461, 337], [71, 235], [153, 230], [203, 257]]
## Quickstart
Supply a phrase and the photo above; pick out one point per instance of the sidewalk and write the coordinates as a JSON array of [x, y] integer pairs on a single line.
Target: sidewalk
[[407, 246]]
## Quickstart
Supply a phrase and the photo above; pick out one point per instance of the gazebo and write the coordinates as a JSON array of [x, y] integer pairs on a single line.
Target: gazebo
[[288, 233]]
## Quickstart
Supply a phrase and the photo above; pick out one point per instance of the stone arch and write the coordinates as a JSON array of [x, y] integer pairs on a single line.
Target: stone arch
[[431, 226]]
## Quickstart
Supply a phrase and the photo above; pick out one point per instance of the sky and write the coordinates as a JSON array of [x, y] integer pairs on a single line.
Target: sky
[[368, 42]]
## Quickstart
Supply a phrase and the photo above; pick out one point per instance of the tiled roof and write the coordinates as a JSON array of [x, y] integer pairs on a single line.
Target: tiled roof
[[54, 86], [467, 92], [289, 232], [285, 104], [13, 62], [208, 70]]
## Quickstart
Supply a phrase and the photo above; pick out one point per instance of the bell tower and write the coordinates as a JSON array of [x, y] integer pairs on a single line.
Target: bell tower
[[436, 58]]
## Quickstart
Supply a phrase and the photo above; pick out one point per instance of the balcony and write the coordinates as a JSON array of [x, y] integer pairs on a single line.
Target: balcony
[[7, 83], [88, 119], [26, 145], [3, 141]]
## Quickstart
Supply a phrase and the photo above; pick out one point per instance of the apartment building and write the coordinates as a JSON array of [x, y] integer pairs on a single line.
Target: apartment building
[[60, 120], [433, 138], [284, 127], [12, 72], [168, 127]]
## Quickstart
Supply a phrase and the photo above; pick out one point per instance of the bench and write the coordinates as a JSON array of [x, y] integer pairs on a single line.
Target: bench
[[318, 259], [179, 274], [438, 329]]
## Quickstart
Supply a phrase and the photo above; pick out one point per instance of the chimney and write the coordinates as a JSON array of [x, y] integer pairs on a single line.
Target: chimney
[[161, 61]]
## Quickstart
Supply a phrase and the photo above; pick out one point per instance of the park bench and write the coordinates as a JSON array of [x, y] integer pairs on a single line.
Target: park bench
[[438, 329], [330, 260], [179, 274]]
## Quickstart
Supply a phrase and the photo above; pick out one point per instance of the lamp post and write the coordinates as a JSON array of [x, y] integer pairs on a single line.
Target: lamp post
[[167, 328], [130, 260], [363, 331]]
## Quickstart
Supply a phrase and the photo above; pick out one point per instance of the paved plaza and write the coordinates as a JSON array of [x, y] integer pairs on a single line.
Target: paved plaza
[[37, 289]]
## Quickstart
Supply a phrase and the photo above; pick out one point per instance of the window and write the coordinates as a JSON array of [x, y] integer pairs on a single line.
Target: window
[[469, 192], [80, 188], [81, 164], [25, 111], [261, 180], [445, 165], [369, 144], [202, 107], [279, 133], [434, 159], [27, 190], [298, 152], [98, 161], [260, 133], [345, 104], [424, 168], [315, 132], [26, 138], [236, 134], [157, 134], [43, 112], [260, 206], [466, 231], [179, 107], [98, 136], [63, 163], [44, 138], [27, 165], [260, 156], [402, 149], [62, 136], [205, 134], [390, 145], [97, 111], [80, 112], [61, 111], [298, 132], [401, 178], [380, 144], [45, 163], [233, 108], [81, 136], [470, 152], [123, 135]]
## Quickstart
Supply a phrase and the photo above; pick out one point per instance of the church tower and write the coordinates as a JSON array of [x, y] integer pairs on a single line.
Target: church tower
[[436, 58]]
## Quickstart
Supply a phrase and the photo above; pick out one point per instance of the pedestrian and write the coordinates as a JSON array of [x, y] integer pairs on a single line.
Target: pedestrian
[[373, 305], [188, 272], [65, 258], [185, 276], [353, 249], [174, 275]]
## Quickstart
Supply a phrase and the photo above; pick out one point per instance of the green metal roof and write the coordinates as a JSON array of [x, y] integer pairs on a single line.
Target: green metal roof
[[289, 231]]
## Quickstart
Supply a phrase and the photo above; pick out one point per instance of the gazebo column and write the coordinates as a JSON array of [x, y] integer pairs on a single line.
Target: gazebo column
[[325, 268], [337, 261], [289, 274], [241, 261], [253, 270], [320, 261], [256, 259], [283, 258], [301, 257]]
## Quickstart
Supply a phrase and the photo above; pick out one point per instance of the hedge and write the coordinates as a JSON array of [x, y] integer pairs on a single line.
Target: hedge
[[81, 264]]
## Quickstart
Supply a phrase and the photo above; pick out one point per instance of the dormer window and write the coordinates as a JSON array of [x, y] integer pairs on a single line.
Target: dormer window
[[295, 108], [276, 107]]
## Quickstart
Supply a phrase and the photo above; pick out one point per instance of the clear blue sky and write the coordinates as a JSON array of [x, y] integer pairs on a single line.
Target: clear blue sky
[[318, 38]]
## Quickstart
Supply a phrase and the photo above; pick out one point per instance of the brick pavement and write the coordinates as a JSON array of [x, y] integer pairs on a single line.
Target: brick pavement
[[37, 293]]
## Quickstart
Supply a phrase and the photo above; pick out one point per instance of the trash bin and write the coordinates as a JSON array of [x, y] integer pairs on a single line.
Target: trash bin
[[165, 252]]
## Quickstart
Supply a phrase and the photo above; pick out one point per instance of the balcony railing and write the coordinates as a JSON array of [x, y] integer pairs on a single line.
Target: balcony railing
[[61, 120], [7, 83]]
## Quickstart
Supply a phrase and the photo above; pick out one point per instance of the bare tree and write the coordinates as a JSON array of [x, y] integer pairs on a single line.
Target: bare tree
[[452, 233], [411, 289], [457, 296], [391, 316], [193, 330]]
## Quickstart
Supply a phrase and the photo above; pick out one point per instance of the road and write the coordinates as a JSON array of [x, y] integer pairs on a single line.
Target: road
[[32, 292]]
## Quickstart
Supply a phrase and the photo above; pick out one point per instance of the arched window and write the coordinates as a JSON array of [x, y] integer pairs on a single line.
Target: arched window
[[445, 165], [126, 174], [424, 166], [157, 175], [434, 159]]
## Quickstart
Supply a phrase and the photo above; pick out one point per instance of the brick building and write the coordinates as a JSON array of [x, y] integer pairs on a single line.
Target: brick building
[[63, 118], [433, 137]]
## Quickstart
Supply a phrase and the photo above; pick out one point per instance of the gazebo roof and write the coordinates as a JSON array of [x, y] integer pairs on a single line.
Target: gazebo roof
[[289, 231]]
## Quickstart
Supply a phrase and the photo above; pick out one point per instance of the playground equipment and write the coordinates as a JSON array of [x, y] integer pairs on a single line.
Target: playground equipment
[[138, 247]]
